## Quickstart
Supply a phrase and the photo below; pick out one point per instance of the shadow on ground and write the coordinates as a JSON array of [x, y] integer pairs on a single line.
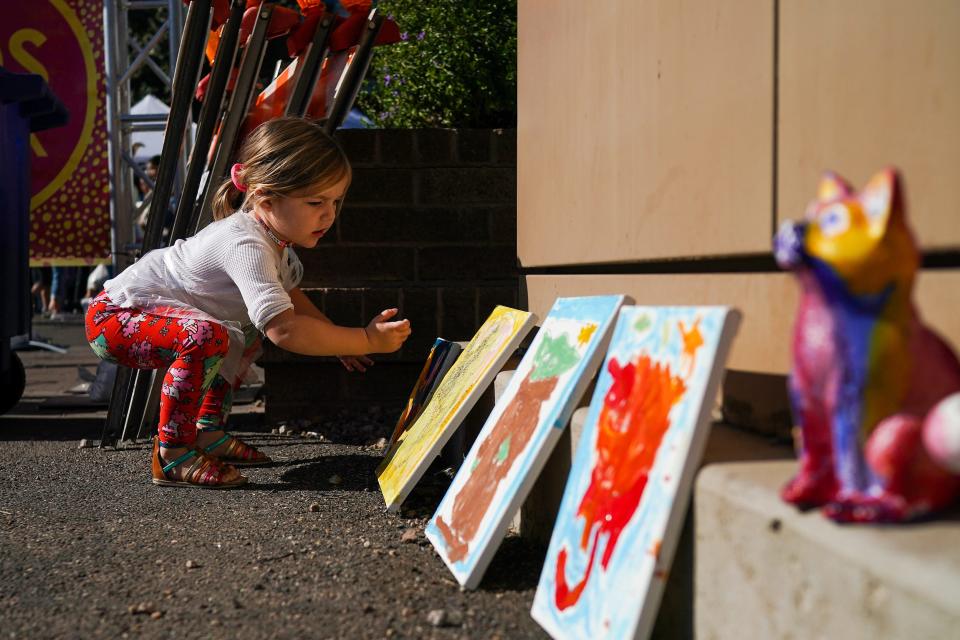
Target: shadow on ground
[[24, 422], [329, 473]]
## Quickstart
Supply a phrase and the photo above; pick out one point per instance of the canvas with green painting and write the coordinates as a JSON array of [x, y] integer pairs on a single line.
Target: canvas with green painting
[[520, 433]]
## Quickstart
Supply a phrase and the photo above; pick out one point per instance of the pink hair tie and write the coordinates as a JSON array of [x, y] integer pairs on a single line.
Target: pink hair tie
[[233, 177]]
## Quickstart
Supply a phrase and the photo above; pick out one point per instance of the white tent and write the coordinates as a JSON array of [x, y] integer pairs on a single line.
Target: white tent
[[152, 140]]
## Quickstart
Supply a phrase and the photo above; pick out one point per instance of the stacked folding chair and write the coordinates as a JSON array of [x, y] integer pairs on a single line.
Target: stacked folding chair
[[330, 56]]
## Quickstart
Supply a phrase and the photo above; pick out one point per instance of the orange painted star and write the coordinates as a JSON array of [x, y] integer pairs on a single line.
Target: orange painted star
[[692, 339]]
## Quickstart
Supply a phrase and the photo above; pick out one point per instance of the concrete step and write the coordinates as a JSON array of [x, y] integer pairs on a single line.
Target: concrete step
[[765, 570]]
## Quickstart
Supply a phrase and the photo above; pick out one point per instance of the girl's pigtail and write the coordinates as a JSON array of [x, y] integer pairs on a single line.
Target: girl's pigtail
[[228, 200]]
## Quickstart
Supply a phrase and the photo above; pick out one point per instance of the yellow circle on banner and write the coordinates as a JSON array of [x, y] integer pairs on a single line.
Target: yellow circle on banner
[[85, 133]]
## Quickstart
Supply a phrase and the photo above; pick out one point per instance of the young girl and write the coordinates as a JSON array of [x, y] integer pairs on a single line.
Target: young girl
[[197, 308]]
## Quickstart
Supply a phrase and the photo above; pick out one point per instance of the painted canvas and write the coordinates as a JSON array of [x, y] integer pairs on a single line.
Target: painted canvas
[[630, 480], [442, 355], [520, 433], [461, 387]]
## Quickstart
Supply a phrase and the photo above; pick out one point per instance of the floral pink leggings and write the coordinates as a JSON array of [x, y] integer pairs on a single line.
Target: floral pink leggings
[[191, 350]]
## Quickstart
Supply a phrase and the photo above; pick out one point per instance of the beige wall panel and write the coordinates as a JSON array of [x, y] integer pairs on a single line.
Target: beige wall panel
[[768, 302], [644, 129], [868, 83], [938, 299]]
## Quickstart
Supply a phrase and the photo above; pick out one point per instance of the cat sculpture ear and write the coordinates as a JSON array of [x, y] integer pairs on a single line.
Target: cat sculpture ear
[[832, 187], [881, 198]]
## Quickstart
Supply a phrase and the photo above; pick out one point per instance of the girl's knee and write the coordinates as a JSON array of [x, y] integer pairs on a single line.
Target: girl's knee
[[209, 338]]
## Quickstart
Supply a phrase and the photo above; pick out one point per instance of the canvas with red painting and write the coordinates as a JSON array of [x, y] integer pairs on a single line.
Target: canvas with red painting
[[631, 477]]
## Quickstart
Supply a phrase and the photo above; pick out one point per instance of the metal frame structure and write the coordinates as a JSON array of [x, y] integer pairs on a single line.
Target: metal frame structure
[[124, 56], [133, 390], [135, 396]]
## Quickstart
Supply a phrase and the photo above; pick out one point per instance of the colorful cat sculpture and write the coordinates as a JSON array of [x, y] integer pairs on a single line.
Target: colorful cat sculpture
[[875, 391]]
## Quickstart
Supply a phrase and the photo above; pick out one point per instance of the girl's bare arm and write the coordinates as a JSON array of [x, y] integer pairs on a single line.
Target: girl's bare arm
[[312, 336]]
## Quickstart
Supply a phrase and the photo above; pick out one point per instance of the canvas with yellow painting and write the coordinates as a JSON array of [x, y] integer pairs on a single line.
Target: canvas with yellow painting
[[457, 393], [520, 434]]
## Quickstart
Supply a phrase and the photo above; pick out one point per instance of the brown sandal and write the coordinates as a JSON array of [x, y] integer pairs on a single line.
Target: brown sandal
[[206, 472], [238, 453]]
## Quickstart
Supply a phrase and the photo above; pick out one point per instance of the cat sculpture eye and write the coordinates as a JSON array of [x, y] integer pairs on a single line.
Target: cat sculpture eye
[[834, 220]]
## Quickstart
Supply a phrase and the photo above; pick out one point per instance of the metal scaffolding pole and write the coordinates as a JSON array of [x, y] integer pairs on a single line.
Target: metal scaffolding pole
[[135, 393], [124, 57]]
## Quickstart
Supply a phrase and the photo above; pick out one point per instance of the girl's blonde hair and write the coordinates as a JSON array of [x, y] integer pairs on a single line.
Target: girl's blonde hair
[[282, 157]]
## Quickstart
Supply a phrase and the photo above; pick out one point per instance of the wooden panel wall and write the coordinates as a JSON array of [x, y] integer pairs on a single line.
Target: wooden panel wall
[[866, 83], [644, 129], [656, 130], [768, 302], [760, 345]]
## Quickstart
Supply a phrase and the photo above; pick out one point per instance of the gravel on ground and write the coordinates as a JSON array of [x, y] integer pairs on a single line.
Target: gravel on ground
[[89, 548]]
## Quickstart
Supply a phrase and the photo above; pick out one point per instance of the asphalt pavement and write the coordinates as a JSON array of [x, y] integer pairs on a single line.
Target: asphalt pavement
[[91, 549]]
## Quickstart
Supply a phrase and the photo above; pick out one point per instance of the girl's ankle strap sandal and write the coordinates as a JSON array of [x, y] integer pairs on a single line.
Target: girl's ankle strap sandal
[[204, 472], [236, 452]]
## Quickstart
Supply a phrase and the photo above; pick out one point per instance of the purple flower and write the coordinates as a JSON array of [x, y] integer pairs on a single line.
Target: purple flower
[[404, 36], [421, 35], [386, 79]]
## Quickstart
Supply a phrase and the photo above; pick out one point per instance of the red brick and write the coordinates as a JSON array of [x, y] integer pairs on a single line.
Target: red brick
[[381, 186], [359, 145], [343, 307], [458, 313], [421, 307], [397, 146], [460, 186], [505, 146], [349, 265], [474, 145], [466, 263], [295, 390], [490, 297], [377, 299], [406, 224], [435, 146], [503, 225], [386, 383]]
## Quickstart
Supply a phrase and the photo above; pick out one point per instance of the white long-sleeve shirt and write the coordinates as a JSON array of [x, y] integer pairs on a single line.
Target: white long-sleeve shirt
[[230, 272]]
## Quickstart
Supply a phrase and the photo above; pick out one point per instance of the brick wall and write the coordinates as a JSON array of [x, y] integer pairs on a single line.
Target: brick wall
[[429, 226]]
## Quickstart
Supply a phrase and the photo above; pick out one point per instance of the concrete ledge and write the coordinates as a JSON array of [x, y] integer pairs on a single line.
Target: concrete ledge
[[764, 570]]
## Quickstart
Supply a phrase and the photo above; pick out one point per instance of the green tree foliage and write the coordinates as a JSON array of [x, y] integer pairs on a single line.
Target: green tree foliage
[[143, 24], [456, 66]]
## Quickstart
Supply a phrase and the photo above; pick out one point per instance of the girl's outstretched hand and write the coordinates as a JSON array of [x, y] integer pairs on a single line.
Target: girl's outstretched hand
[[385, 336]]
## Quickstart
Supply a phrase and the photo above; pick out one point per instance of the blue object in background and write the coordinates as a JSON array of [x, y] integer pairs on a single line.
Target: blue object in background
[[356, 120], [26, 105]]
